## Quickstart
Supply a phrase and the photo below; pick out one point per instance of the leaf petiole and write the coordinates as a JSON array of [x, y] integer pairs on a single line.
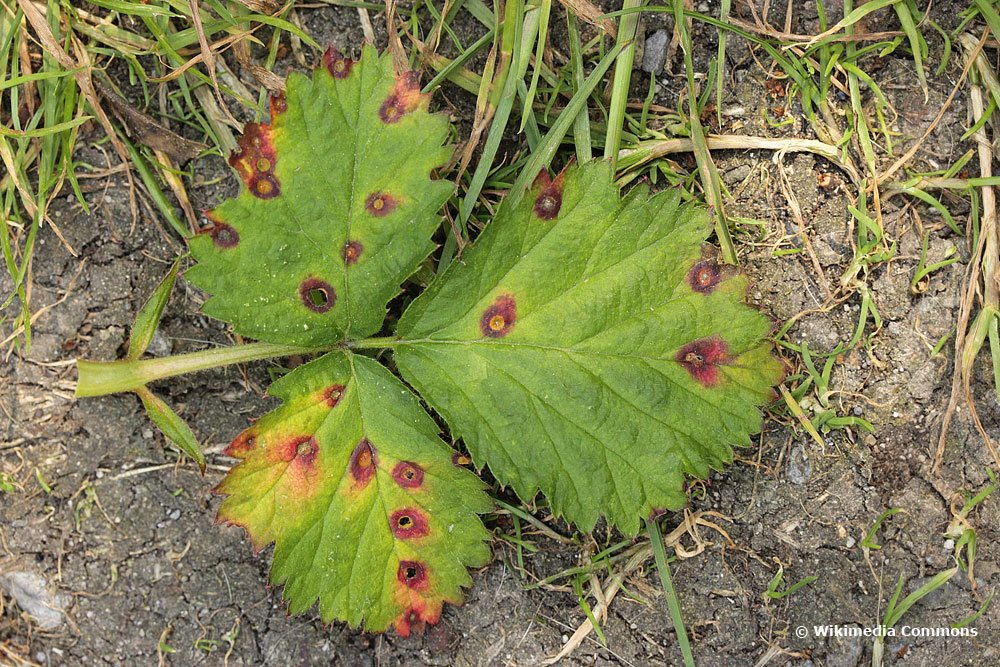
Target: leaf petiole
[[98, 378]]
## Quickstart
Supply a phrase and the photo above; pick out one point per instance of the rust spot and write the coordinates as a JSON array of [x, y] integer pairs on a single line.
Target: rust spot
[[333, 394], [460, 459], [408, 475], [549, 199], [337, 64], [499, 318], [380, 204], [257, 150], [404, 98], [702, 358], [264, 185], [242, 444], [305, 452], [414, 619], [704, 277], [224, 236], [412, 574], [317, 295], [362, 464], [408, 523], [299, 446], [278, 104], [352, 251]]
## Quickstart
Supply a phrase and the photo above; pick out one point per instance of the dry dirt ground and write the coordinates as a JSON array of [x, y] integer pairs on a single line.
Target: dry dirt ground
[[123, 539]]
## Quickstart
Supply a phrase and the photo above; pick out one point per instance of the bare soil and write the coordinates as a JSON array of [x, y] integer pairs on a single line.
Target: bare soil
[[126, 536]]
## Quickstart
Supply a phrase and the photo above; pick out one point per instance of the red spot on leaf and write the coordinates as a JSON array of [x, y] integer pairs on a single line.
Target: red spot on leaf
[[704, 276], [380, 204], [408, 523], [302, 448], [352, 251], [255, 161], [415, 619], [702, 359], [305, 453], [333, 394], [337, 64], [404, 98], [278, 104], [242, 444], [317, 295], [223, 235], [499, 318], [549, 199], [408, 475], [264, 186], [412, 574], [362, 464]]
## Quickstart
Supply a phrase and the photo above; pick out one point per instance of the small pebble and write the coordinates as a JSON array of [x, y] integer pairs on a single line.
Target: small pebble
[[655, 54], [176, 514], [949, 545]]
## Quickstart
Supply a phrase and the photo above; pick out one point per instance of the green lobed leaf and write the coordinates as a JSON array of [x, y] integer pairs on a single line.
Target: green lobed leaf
[[338, 208], [367, 508], [588, 346]]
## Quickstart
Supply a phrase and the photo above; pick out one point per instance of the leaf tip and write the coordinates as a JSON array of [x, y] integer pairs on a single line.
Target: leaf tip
[[337, 64], [404, 98]]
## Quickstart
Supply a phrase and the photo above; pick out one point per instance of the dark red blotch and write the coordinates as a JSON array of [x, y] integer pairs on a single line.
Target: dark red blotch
[[242, 444], [337, 64], [278, 104], [302, 449], [317, 295], [352, 252], [704, 276], [408, 523], [404, 98], [333, 394], [412, 574], [255, 161], [224, 236], [408, 475], [380, 204], [702, 358], [499, 318], [414, 619], [549, 199], [362, 464]]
